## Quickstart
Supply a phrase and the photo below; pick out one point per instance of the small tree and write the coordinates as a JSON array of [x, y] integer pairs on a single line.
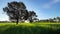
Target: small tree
[[32, 14]]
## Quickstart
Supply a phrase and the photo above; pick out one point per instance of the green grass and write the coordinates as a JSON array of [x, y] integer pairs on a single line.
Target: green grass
[[30, 28]]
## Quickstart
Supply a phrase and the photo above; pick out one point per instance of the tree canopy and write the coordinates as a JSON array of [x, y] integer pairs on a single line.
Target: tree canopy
[[17, 11]]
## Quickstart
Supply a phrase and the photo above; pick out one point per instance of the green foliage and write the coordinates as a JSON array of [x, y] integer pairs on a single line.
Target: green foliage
[[30, 28]]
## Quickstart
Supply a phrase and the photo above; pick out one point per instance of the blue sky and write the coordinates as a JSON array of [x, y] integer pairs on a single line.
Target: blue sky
[[44, 8]]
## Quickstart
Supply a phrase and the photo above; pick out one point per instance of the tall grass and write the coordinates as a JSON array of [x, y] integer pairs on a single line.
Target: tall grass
[[29, 28]]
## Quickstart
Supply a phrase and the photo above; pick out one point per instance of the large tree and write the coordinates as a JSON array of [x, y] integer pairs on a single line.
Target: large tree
[[16, 11]]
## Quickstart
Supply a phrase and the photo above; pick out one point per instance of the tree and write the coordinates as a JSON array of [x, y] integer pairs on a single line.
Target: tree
[[32, 14], [15, 10], [50, 20], [58, 19]]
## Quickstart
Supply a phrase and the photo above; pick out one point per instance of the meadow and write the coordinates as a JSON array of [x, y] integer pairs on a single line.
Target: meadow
[[30, 28]]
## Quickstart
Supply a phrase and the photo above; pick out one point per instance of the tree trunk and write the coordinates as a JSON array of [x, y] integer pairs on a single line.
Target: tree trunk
[[17, 21], [31, 20]]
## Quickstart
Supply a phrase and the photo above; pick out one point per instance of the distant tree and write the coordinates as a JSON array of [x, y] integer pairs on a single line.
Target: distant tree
[[15, 10], [54, 19], [50, 20], [58, 19]]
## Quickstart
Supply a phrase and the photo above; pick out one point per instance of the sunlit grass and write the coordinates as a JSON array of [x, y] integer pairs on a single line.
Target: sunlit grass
[[29, 28]]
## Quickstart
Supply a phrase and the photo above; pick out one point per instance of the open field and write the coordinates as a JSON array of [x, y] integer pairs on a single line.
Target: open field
[[30, 28]]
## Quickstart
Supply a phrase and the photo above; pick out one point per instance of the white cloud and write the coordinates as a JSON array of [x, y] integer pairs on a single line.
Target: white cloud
[[49, 5], [56, 1]]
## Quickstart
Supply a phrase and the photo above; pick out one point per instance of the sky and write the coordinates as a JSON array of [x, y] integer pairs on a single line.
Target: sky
[[44, 8]]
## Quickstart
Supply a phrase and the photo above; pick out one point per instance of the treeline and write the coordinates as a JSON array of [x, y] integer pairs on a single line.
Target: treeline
[[4, 21], [35, 20], [56, 19]]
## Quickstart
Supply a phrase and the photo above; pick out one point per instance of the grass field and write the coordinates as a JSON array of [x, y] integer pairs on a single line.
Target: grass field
[[30, 28]]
